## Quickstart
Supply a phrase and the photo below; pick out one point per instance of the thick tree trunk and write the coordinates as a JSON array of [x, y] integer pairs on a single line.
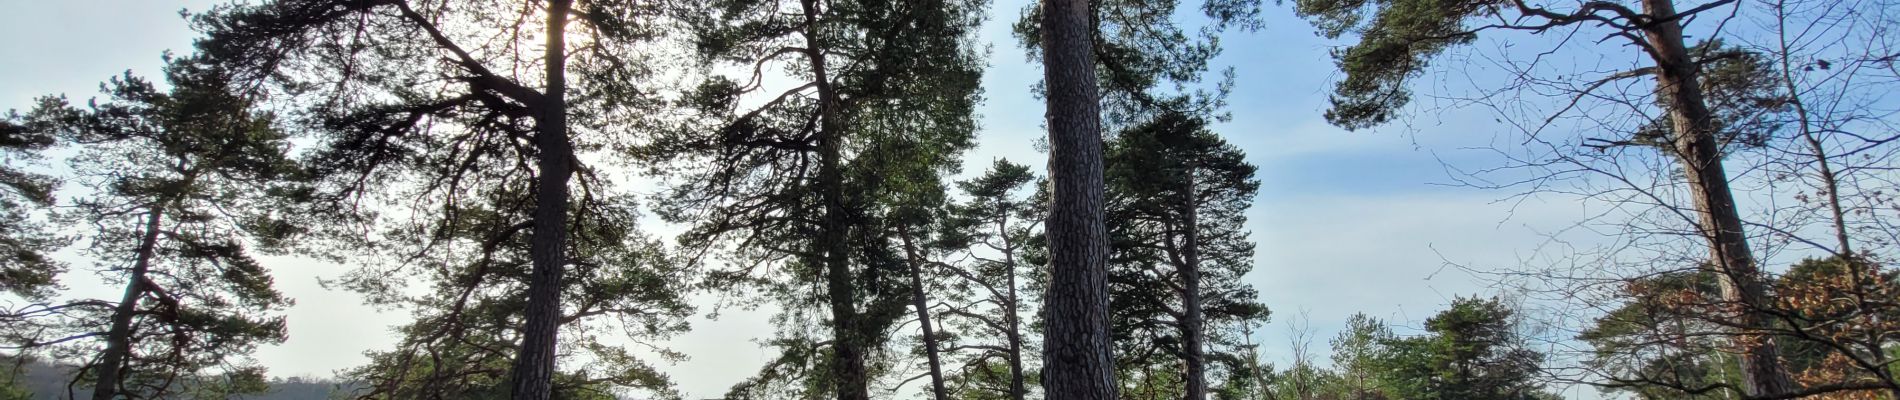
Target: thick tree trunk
[[119, 338], [1012, 319], [1700, 154], [1077, 359], [920, 299], [533, 373], [848, 342], [848, 347], [1192, 325]]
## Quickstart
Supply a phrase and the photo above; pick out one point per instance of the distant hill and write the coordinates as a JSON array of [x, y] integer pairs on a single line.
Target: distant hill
[[42, 381]]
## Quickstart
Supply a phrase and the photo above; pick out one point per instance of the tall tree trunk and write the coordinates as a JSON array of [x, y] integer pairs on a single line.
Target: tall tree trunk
[[119, 337], [1192, 326], [921, 300], [1700, 154], [1077, 360], [1012, 319], [848, 347], [533, 373]]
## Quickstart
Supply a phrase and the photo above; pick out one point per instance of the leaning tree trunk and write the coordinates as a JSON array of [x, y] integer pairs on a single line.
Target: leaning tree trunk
[[1192, 325], [534, 363], [119, 337], [920, 299], [1700, 154], [1012, 319], [848, 342], [1077, 359]]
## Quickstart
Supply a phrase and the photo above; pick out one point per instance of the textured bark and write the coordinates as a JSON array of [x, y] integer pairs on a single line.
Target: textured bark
[[119, 336], [920, 299], [1077, 359], [1193, 327], [848, 347], [1011, 316], [533, 374], [1719, 222]]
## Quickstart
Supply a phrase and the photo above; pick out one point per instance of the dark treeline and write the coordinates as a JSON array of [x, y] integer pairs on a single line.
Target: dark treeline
[[42, 381], [485, 166]]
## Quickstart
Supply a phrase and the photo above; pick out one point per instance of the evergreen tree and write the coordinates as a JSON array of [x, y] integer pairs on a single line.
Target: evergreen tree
[[1177, 199], [1470, 351], [789, 190], [1396, 39], [1146, 62], [1124, 55], [912, 218], [1355, 357], [171, 178], [451, 137], [998, 224], [25, 239]]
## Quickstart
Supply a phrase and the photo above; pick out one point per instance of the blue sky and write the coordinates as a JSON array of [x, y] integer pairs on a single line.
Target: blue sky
[[1346, 222]]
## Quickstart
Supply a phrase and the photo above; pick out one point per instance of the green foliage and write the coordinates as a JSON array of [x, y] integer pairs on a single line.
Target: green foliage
[[1146, 62], [623, 285], [1470, 351], [426, 172], [12, 388], [26, 270], [35, 380], [1356, 353], [169, 173], [1241, 377], [804, 191], [1743, 91], [478, 367], [1157, 379], [1473, 352], [1302, 381], [1394, 45], [1396, 40], [1157, 172], [987, 297], [985, 378]]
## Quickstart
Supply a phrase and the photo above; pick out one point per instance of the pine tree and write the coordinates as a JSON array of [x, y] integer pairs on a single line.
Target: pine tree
[[1397, 39], [1355, 355], [463, 115], [1113, 62], [914, 216], [1470, 351], [995, 226], [1145, 60], [1177, 198], [26, 270], [789, 190], [171, 178]]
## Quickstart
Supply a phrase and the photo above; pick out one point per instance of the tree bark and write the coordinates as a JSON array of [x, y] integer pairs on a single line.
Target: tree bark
[[1192, 326], [119, 337], [1012, 319], [1077, 358], [848, 347], [920, 299], [533, 374], [1697, 149]]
